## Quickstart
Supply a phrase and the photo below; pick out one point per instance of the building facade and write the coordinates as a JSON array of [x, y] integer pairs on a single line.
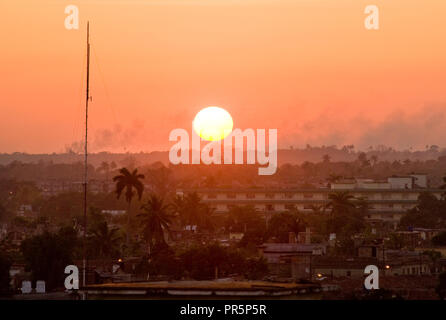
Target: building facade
[[388, 199]]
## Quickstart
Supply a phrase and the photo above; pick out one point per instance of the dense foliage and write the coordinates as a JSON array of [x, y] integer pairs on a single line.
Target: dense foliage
[[47, 255]]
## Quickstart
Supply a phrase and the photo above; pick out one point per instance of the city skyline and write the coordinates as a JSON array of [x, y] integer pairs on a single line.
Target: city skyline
[[309, 69]]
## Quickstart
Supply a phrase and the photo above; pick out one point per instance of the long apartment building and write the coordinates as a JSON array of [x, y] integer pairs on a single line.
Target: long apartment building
[[388, 199]]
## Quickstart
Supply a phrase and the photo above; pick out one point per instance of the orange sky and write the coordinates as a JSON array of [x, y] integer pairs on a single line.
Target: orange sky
[[306, 67]]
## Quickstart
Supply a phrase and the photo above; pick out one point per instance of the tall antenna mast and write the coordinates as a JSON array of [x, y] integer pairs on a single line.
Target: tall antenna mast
[[84, 249]]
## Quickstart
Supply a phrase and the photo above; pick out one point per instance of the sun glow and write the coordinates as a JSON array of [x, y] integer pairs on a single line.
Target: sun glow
[[213, 123]]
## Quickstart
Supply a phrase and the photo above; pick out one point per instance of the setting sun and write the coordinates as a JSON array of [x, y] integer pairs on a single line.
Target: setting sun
[[213, 123]]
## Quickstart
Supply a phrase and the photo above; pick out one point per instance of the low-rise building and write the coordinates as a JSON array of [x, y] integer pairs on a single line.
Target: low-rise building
[[335, 267], [291, 260]]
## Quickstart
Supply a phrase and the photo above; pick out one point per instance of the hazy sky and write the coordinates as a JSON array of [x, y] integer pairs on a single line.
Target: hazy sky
[[306, 67]]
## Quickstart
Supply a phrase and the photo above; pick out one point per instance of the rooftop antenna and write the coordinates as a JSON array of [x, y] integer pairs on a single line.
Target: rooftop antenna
[[84, 248]]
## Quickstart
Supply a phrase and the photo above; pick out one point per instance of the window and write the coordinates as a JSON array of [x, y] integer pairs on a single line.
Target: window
[[349, 273], [212, 196], [405, 196], [251, 195], [270, 195], [289, 195], [290, 207], [269, 207], [308, 196], [230, 195], [308, 207]]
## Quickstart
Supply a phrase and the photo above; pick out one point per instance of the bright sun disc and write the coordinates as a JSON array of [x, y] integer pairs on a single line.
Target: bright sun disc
[[213, 123]]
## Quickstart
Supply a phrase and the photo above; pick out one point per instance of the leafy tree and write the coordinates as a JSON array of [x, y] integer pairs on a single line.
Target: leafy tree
[[441, 287], [62, 207], [434, 256], [326, 158], [5, 265], [205, 262], [428, 213], [255, 268], [243, 219], [317, 220], [95, 218], [104, 168], [439, 239], [162, 261], [161, 180], [3, 213], [443, 185], [206, 222], [345, 245], [253, 237], [192, 212], [395, 242], [188, 208], [362, 159], [212, 260], [48, 254], [281, 224]]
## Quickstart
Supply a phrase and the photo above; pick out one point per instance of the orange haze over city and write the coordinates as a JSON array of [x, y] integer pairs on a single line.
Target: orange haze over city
[[308, 68]]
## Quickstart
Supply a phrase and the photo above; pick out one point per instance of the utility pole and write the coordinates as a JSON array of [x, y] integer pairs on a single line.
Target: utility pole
[[84, 239]]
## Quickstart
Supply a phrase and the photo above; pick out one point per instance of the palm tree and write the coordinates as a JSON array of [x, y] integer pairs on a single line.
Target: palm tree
[[188, 208], [340, 202], [155, 220], [129, 182], [347, 213], [363, 207], [317, 219], [105, 241], [317, 209], [340, 205]]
